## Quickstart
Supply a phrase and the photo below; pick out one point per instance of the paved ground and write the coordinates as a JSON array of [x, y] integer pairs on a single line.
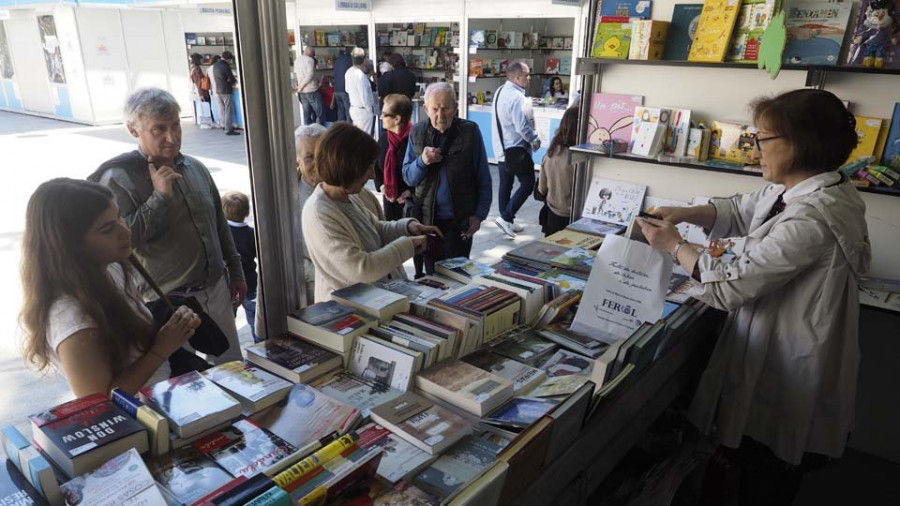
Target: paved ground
[[37, 149]]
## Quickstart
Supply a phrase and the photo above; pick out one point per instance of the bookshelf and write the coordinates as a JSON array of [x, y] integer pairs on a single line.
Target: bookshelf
[[209, 44], [429, 49], [329, 40]]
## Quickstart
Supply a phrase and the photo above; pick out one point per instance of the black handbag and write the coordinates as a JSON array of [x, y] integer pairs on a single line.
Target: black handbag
[[518, 159], [208, 338]]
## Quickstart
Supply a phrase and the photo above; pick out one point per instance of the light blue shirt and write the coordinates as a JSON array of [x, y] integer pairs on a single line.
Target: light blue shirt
[[414, 171], [516, 118]]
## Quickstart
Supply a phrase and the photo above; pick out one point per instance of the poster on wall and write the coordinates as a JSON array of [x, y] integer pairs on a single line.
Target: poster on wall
[[6, 65], [50, 45]]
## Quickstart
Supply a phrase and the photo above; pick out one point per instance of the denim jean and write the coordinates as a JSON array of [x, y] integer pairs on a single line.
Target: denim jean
[[510, 206], [313, 108], [342, 104]]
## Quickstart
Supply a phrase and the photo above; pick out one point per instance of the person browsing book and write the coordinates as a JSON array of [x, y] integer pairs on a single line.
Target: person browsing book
[[347, 243], [780, 385], [555, 181], [82, 312]]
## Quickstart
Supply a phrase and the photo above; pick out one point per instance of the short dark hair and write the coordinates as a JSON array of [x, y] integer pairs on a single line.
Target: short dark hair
[[399, 105], [227, 55], [344, 154], [196, 58], [396, 61], [816, 124], [236, 206]]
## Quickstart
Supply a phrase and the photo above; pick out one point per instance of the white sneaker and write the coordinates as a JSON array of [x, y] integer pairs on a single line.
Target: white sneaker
[[506, 227], [517, 228]]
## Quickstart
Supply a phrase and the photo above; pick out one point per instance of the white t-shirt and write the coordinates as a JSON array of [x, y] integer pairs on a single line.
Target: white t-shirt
[[66, 318]]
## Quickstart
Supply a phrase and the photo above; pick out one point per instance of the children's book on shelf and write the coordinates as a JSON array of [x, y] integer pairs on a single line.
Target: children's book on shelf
[[874, 42], [685, 18], [253, 387], [294, 359], [611, 117], [567, 42], [678, 133], [321, 416], [422, 423], [565, 66], [82, 434], [490, 39], [612, 41], [124, 479], [400, 458], [613, 201], [753, 19], [733, 142], [648, 139], [867, 130], [375, 359], [465, 386], [698, 144], [649, 116], [371, 300], [714, 31], [551, 66], [556, 43], [188, 474], [458, 467], [626, 8], [192, 403], [477, 38], [648, 39], [815, 32], [890, 157]]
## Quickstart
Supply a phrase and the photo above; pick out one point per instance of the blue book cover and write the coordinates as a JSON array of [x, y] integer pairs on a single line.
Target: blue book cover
[[891, 155], [685, 18], [815, 32], [631, 8]]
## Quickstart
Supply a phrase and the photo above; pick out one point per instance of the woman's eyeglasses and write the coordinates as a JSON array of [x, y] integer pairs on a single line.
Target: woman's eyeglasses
[[760, 141]]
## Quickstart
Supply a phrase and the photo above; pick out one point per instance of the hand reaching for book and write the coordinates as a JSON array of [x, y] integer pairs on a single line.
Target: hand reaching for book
[[175, 332]]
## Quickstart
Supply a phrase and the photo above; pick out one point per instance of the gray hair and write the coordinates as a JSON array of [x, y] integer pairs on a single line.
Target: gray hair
[[358, 55], [151, 102], [313, 131], [516, 69], [439, 87]]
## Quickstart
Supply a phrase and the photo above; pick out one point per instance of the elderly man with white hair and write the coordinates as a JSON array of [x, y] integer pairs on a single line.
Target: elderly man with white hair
[[359, 88], [306, 138], [447, 165], [170, 202]]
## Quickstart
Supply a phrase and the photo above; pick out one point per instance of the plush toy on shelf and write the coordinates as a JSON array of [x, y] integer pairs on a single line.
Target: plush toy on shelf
[[876, 35]]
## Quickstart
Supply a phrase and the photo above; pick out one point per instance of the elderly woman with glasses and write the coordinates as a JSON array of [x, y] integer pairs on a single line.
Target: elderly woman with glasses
[[780, 387], [395, 115]]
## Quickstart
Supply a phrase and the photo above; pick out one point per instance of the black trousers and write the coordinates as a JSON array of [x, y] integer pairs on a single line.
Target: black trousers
[[392, 210], [454, 245], [553, 222]]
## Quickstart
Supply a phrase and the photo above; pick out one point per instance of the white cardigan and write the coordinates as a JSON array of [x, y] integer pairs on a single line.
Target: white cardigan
[[335, 247]]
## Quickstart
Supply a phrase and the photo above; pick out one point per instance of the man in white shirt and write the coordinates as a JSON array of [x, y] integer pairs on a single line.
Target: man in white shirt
[[362, 101], [308, 89]]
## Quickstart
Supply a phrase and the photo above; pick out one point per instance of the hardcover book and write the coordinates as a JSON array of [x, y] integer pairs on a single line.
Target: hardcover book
[[157, 425], [188, 474], [648, 39], [733, 142], [753, 19], [685, 18], [572, 239], [640, 9], [321, 415], [253, 387], [714, 30], [121, 480], [465, 386], [612, 41], [891, 154], [461, 269], [613, 201], [244, 449], [815, 32], [867, 129], [82, 434], [192, 403], [426, 425], [293, 359], [611, 117]]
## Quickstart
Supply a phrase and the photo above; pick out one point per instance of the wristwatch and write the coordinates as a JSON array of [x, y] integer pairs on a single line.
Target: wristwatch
[[677, 249]]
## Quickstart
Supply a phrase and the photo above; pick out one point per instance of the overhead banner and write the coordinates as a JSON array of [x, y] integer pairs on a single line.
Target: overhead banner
[[353, 5]]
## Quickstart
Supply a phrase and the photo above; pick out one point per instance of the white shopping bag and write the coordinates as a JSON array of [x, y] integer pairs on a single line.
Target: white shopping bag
[[204, 114], [626, 288]]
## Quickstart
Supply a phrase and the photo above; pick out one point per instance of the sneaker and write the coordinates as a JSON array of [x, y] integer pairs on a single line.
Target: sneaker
[[506, 227], [232, 132], [517, 228]]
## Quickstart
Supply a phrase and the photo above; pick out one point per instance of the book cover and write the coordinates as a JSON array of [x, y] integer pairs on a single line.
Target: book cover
[[890, 157], [191, 402], [685, 18], [698, 144], [612, 41], [461, 464], [611, 117], [678, 133], [520, 412], [651, 116], [250, 384], [537, 252], [714, 30], [551, 66], [465, 385], [461, 269], [407, 494], [733, 142], [873, 41], [559, 386], [648, 39], [567, 282], [358, 392], [399, 458], [613, 201], [188, 474], [523, 345], [366, 295], [640, 9], [597, 227], [294, 355], [867, 130], [572, 239], [648, 140], [565, 363], [323, 312], [815, 32], [122, 480], [382, 363], [244, 449], [428, 426], [577, 259], [14, 488], [477, 38], [321, 416], [753, 19], [523, 377], [490, 39]]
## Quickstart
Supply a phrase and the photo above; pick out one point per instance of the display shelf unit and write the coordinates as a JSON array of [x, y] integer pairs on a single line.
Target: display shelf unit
[[443, 58], [206, 49], [312, 37]]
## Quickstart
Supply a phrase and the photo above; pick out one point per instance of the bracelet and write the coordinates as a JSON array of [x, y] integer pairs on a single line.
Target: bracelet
[[150, 351], [677, 249]]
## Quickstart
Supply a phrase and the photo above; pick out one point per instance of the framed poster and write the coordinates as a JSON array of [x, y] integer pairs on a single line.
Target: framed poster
[[50, 45]]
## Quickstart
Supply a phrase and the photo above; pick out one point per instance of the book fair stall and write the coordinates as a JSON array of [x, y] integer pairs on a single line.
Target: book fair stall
[[523, 382]]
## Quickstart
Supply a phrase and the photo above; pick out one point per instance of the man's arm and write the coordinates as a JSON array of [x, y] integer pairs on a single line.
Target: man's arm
[[229, 75], [414, 169], [145, 219], [483, 177], [521, 123]]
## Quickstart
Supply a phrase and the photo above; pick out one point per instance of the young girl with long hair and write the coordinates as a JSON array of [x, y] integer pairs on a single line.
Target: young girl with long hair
[[555, 181], [82, 311]]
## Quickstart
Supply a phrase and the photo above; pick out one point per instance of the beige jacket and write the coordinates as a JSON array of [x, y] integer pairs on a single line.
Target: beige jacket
[[555, 182], [784, 370], [336, 250]]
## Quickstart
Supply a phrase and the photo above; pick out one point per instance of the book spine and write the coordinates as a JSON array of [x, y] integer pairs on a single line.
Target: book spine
[[298, 470], [125, 401]]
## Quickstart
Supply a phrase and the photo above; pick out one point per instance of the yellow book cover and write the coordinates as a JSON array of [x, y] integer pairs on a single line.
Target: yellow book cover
[[573, 239], [714, 30], [733, 142], [867, 129], [882, 139]]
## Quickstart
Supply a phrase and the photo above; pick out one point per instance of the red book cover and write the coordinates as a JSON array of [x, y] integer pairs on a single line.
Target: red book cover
[[79, 426]]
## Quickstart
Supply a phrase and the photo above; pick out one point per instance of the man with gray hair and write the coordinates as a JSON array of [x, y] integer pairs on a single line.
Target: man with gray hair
[[359, 88], [514, 144], [308, 89], [447, 165], [170, 202]]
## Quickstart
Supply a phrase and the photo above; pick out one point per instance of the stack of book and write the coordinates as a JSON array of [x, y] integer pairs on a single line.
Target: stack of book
[[330, 325], [293, 359], [494, 308]]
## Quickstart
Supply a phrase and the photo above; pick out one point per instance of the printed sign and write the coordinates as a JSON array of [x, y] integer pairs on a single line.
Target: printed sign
[[353, 5]]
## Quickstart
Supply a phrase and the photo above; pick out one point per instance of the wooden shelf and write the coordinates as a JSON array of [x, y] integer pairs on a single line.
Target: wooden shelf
[[712, 166]]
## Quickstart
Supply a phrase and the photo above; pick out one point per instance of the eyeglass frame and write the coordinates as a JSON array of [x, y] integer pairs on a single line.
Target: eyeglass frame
[[759, 141]]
